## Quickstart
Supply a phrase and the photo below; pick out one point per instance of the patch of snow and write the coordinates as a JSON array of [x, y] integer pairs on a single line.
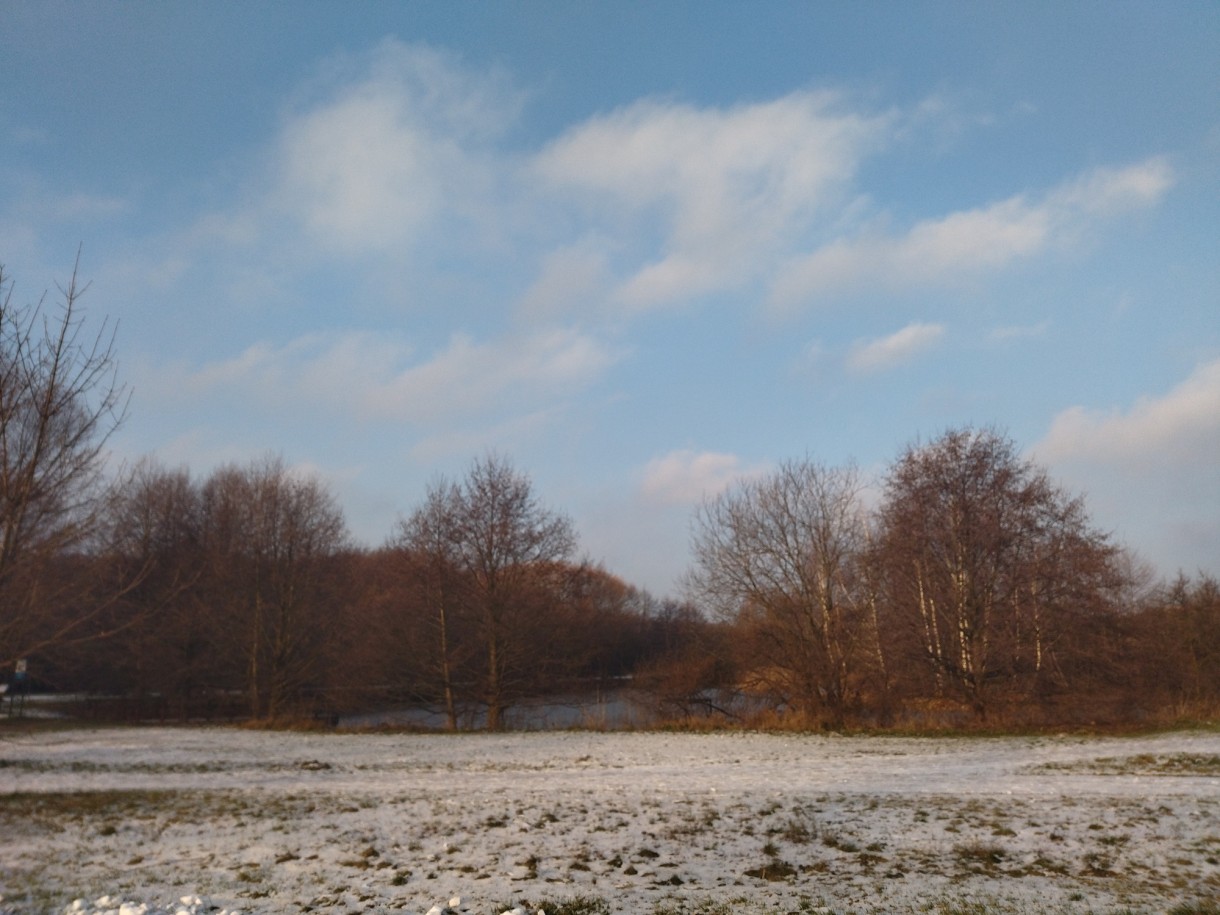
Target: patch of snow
[[107, 905], [224, 821]]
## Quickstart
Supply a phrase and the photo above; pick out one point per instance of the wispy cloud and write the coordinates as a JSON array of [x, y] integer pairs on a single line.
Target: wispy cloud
[[570, 279], [896, 349], [686, 477], [508, 374], [968, 243], [372, 377], [400, 153], [724, 186], [396, 142]]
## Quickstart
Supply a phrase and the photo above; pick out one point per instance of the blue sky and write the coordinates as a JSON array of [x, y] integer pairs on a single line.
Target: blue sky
[[641, 249]]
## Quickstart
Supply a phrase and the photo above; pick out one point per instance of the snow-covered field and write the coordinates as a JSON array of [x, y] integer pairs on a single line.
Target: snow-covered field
[[212, 819]]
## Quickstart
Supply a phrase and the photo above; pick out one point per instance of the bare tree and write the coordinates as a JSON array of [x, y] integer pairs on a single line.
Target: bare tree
[[60, 401], [1177, 661], [271, 537], [987, 564], [152, 530], [427, 546], [781, 555], [503, 544]]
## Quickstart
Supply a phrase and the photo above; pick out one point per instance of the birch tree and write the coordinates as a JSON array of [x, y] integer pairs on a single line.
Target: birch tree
[[987, 563]]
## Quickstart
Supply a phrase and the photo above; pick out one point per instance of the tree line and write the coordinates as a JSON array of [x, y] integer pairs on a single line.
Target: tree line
[[965, 587]]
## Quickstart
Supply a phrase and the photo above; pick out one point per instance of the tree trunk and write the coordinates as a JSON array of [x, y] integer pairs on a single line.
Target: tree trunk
[[446, 673], [495, 698]]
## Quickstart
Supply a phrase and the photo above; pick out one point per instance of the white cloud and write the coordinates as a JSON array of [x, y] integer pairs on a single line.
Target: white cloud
[[507, 374], [727, 185], [687, 477], [972, 242], [1110, 191], [359, 175], [571, 279], [1150, 472], [373, 377], [387, 154], [887, 352], [397, 153], [675, 278], [1179, 429], [392, 148]]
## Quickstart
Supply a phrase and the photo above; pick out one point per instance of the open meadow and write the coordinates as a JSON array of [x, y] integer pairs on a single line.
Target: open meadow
[[224, 819]]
